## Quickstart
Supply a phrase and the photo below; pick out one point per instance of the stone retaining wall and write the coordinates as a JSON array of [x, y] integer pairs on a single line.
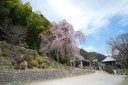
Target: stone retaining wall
[[6, 78], [121, 71]]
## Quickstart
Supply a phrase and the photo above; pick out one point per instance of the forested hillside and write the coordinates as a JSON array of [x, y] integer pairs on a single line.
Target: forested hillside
[[16, 17], [99, 56], [87, 55], [92, 55], [23, 31]]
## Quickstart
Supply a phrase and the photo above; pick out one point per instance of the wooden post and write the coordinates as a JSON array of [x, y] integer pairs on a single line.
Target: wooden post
[[81, 64]]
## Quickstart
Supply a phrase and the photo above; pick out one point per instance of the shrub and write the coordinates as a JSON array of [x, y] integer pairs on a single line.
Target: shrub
[[0, 52], [40, 66], [24, 45], [45, 60], [30, 64], [6, 52], [44, 65], [39, 59], [23, 65], [34, 63], [22, 50], [17, 66], [32, 52], [13, 62], [22, 57], [5, 45], [18, 60], [29, 57], [109, 69]]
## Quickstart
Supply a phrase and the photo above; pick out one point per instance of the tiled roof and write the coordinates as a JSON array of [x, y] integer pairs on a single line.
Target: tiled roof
[[108, 59]]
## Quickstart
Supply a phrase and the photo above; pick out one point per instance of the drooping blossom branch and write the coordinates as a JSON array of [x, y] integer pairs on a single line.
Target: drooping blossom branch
[[62, 38]]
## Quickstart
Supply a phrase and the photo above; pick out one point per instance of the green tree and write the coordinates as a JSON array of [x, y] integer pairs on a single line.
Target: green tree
[[18, 12], [14, 12], [36, 24], [4, 12]]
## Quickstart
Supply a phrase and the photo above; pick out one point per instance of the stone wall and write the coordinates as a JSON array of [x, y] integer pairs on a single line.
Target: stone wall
[[121, 71], [6, 78]]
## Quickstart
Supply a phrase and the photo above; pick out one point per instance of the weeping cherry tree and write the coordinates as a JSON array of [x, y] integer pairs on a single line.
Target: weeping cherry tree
[[62, 39]]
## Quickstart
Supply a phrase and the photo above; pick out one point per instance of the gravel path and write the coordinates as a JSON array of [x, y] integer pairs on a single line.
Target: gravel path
[[98, 78]]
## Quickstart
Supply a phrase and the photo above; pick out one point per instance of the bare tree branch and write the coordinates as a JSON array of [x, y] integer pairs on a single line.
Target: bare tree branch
[[13, 34], [119, 46]]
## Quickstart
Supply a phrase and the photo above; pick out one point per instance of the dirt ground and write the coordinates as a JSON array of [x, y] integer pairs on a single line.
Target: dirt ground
[[98, 78]]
